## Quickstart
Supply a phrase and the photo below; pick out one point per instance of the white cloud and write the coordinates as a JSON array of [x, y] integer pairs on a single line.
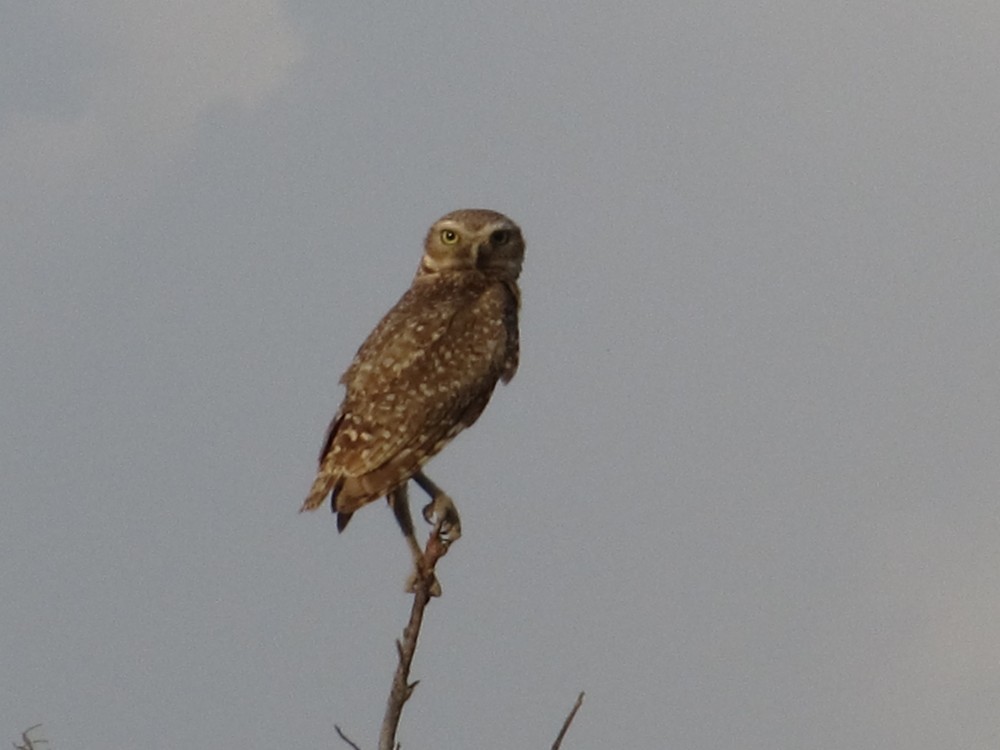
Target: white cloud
[[160, 67]]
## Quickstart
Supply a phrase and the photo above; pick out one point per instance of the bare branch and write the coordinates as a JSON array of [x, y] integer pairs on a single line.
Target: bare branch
[[569, 720], [29, 744], [402, 689], [345, 738]]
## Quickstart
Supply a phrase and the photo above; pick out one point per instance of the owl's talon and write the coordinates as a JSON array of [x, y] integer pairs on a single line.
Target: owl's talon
[[450, 532], [415, 576], [441, 510]]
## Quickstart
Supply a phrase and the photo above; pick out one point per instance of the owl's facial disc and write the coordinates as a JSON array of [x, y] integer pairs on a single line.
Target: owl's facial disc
[[474, 239]]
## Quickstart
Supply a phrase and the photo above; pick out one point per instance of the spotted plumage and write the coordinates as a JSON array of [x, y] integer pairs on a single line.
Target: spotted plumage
[[429, 368]]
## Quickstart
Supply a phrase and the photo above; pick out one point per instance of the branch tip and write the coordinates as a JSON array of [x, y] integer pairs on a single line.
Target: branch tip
[[569, 720], [345, 738]]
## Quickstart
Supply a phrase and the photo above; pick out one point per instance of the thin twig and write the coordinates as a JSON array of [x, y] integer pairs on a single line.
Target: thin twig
[[402, 688], [569, 720], [345, 738], [29, 744]]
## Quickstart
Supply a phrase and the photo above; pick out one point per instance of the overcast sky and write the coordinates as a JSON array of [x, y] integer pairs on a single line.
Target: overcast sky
[[743, 490]]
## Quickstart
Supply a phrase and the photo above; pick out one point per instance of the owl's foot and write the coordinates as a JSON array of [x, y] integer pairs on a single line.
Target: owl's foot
[[442, 513], [416, 576], [423, 569]]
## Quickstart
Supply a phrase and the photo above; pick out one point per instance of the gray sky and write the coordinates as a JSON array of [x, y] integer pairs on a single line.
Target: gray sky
[[743, 490]]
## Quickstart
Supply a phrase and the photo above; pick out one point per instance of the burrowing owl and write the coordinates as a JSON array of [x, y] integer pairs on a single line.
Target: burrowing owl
[[427, 371]]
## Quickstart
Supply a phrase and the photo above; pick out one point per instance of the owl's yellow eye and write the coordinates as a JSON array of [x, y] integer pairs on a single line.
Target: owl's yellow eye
[[449, 236]]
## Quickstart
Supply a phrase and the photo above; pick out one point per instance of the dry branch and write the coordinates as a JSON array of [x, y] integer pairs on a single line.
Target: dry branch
[[345, 738], [29, 744], [569, 720], [402, 688], [425, 588]]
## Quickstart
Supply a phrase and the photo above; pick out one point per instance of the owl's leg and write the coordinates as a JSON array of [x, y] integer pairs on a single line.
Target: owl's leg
[[400, 503], [441, 507]]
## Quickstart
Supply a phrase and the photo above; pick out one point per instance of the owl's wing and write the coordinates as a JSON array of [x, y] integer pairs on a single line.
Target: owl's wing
[[512, 356]]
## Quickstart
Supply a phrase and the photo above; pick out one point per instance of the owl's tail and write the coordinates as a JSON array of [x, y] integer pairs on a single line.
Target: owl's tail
[[324, 485]]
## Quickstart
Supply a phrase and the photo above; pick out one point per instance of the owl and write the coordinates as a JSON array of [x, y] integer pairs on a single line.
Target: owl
[[426, 372]]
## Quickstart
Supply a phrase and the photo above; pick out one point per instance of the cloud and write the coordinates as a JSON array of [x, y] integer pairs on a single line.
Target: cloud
[[146, 73]]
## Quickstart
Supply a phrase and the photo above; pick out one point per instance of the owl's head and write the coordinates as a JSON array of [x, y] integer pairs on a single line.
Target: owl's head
[[474, 239]]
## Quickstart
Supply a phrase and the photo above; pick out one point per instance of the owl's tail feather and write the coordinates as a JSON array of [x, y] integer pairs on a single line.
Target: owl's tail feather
[[323, 486], [342, 520]]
